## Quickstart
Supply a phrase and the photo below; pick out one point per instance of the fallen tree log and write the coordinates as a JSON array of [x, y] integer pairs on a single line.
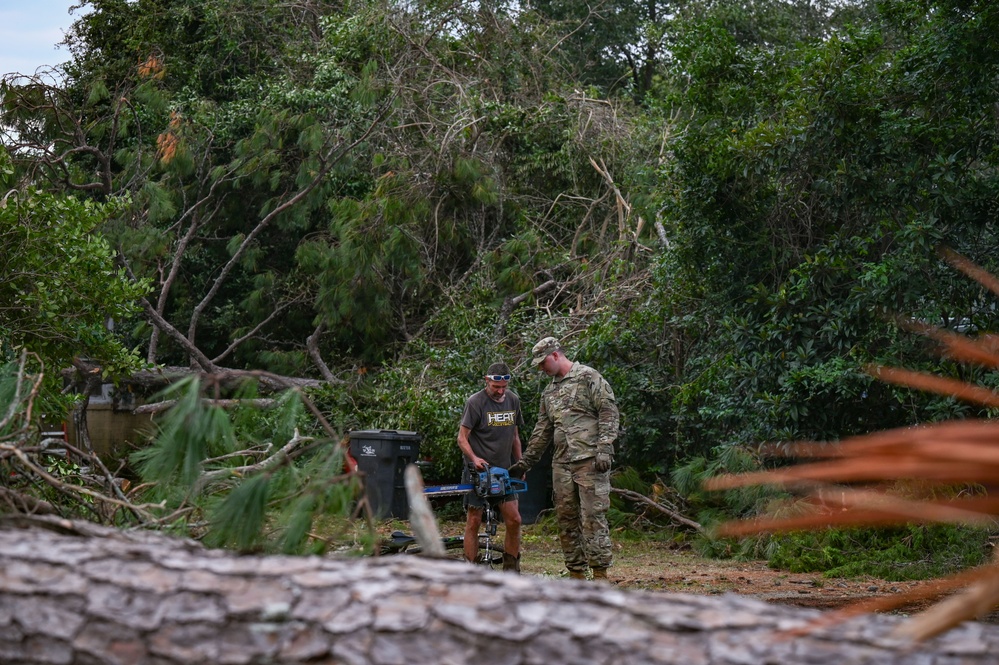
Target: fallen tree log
[[73, 592]]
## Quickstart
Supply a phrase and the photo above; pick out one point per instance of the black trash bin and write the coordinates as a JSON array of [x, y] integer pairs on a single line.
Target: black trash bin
[[538, 496], [382, 454]]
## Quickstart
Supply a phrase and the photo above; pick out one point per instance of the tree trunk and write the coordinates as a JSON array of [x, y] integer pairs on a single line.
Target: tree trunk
[[72, 592], [86, 381]]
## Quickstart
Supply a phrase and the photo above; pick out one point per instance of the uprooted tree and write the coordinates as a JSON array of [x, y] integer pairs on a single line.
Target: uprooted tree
[[74, 592]]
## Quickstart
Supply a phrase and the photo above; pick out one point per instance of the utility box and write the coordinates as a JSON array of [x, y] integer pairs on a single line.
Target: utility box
[[382, 455]]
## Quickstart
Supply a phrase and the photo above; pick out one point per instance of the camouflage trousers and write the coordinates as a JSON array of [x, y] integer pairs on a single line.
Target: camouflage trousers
[[582, 497]]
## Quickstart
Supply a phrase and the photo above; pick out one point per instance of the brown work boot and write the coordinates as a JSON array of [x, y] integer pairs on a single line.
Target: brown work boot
[[599, 573], [511, 562], [577, 574]]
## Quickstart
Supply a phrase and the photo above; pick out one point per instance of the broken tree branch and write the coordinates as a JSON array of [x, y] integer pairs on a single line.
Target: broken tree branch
[[157, 407], [421, 515], [672, 514]]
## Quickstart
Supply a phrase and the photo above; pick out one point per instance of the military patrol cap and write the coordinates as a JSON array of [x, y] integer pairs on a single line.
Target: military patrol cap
[[542, 350]]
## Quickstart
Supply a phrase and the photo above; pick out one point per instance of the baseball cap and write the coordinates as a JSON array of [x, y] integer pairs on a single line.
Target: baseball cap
[[542, 350]]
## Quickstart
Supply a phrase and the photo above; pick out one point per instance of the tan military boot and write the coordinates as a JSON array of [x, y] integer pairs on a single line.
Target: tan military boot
[[511, 562], [577, 574], [599, 573]]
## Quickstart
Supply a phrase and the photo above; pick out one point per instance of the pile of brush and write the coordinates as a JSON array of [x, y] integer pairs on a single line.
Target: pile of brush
[[855, 482]]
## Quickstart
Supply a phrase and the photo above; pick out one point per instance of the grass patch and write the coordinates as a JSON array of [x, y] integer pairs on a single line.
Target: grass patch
[[912, 552]]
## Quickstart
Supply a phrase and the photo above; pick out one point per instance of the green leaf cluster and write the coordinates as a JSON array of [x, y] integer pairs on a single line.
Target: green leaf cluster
[[811, 186], [62, 289]]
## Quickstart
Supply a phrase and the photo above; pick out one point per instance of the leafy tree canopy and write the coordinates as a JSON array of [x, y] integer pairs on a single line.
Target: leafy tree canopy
[[722, 205], [61, 288]]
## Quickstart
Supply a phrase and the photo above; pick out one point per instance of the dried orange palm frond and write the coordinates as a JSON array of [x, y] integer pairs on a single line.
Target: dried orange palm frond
[[843, 506], [951, 452], [935, 384], [855, 482], [953, 432], [983, 350], [932, 590], [980, 275]]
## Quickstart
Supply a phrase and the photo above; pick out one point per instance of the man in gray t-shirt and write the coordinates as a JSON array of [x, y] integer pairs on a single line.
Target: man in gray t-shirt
[[489, 436]]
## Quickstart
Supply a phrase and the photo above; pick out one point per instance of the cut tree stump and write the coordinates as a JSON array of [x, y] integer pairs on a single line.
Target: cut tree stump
[[73, 592]]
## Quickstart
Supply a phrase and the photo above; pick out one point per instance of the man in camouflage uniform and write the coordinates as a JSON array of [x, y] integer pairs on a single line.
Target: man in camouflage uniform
[[579, 414]]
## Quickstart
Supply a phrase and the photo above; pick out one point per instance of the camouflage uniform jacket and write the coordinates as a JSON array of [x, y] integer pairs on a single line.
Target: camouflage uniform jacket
[[579, 414]]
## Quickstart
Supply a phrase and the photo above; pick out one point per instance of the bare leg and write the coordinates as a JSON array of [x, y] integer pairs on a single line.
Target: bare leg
[[510, 511], [473, 521]]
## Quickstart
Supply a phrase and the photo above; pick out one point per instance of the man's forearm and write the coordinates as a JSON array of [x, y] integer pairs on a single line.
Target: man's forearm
[[541, 436], [535, 449], [466, 446], [608, 424]]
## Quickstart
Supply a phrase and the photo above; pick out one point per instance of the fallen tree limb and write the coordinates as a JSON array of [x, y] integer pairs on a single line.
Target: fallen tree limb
[[421, 515], [510, 303], [24, 503], [672, 514], [289, 451], [78, 492], [157, 407], [150, 380], [74, 592]]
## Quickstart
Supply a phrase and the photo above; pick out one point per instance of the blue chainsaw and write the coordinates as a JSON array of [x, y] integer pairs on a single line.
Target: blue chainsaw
[[492, 483]]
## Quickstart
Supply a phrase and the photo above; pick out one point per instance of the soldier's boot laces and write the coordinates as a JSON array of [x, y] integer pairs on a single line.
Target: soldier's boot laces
[[577, 574], [511, 562], [599, 573]]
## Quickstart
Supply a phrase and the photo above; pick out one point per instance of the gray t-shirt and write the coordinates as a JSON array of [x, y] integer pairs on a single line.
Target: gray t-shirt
[[492, 426]]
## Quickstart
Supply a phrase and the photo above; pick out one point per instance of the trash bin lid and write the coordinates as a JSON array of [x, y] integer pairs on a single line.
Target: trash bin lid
[[385, 435]]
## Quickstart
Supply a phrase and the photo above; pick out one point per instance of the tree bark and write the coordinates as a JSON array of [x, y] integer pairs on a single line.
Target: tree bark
[[73, 592], [510, 303], [86, 379]]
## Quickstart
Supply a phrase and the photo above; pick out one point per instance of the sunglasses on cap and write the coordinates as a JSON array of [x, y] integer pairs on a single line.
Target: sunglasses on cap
[[498, 377]]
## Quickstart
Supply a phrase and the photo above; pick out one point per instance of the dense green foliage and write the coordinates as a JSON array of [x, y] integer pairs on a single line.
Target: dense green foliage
[[722, 206], [806, 209], [912, 552], [60, 286]]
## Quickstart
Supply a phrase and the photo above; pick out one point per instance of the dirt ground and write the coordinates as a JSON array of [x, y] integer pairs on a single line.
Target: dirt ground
[[662, 566], [659, 566]]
